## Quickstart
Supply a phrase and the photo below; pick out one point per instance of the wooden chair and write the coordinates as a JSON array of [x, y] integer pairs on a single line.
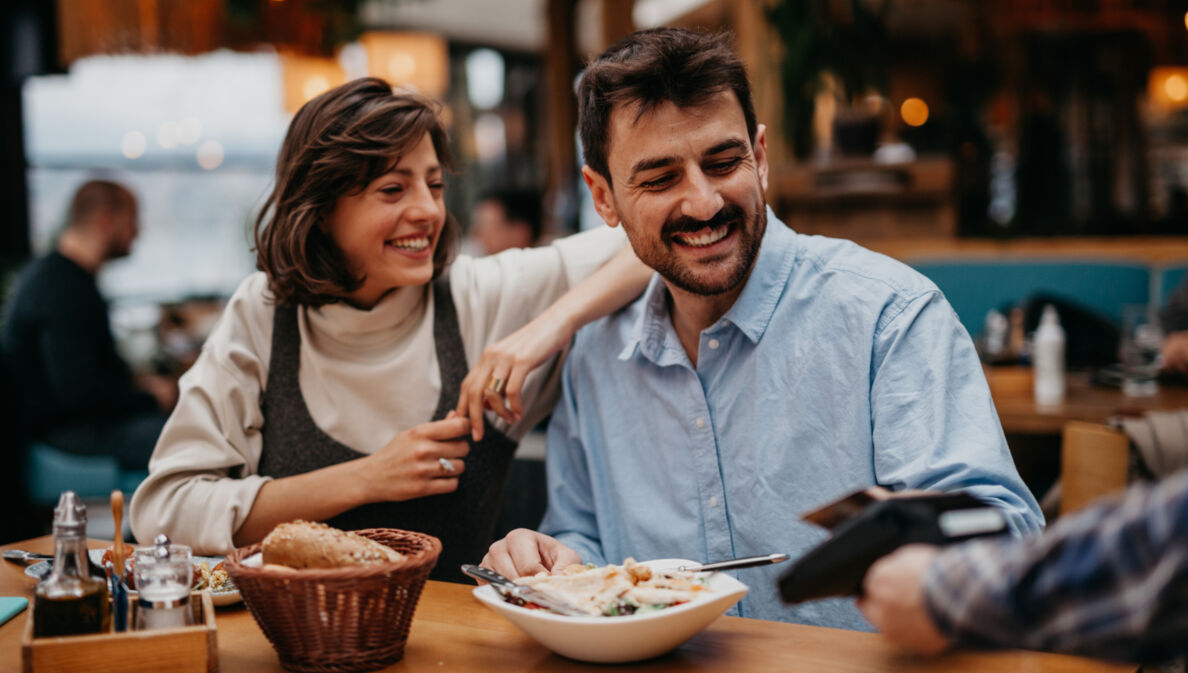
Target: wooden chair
[[1093, 463]]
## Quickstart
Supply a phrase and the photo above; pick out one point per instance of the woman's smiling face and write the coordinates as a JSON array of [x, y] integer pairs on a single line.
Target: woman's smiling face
[[389, 230]]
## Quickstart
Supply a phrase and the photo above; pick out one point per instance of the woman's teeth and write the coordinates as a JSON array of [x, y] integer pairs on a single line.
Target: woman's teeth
[[411, 244], [704, 237]]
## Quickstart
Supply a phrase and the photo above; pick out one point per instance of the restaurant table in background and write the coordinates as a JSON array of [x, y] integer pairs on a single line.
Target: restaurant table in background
[[454, 632], [1083, 401]]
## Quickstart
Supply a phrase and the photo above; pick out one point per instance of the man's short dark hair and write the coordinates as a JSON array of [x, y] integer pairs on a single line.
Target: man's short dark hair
[[98, 196], [336, 145], [651, 67], [520, 205]]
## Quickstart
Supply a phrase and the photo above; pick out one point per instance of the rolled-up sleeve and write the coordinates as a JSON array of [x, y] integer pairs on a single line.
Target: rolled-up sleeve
[[1108, 581], [499, 294], [933, 419], [202, 477]]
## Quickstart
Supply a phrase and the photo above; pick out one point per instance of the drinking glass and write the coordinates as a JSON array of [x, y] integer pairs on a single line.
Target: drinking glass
[[1142, 339]]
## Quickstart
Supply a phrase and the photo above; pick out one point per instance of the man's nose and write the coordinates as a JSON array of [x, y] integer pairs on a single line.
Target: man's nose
[[701, 200]]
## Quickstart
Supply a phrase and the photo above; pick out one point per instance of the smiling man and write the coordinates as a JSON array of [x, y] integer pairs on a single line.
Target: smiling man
[[762, 373]]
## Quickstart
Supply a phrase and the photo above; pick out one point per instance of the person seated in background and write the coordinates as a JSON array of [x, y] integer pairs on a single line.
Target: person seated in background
[[762, 373], [1175, 329], [505, 219], [76, 393], [1108, 581]]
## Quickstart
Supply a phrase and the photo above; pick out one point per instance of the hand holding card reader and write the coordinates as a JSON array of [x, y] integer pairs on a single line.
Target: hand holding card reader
[[865, 529]]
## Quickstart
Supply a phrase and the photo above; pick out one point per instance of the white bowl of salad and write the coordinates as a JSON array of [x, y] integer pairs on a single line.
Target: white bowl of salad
[[636, 611]]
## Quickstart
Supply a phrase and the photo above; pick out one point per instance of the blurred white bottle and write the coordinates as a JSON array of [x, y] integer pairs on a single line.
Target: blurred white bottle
[[1047, 357]]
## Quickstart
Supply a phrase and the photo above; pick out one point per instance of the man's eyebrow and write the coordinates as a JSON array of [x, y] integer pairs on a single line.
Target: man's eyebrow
[[649, 164], [726, 145], [660, 162]]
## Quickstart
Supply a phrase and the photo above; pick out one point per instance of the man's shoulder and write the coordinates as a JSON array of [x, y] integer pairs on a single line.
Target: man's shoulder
[[847, 262], [48, 280], [610, 334]]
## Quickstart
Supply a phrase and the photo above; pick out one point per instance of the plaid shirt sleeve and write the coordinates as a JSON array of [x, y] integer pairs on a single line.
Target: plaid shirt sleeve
[[1109, 581]]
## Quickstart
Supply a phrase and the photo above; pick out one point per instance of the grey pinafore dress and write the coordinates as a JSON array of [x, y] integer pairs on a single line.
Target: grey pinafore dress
[[293, 444]]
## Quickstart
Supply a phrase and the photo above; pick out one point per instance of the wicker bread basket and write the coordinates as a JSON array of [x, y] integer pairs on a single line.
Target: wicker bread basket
[[337, 620]]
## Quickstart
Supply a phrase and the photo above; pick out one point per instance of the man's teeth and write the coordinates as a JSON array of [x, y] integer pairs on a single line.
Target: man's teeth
[[704, 237], [413, 244]]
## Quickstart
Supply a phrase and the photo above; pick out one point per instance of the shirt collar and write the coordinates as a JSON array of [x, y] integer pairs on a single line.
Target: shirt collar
[[756, 304], [653, 335]]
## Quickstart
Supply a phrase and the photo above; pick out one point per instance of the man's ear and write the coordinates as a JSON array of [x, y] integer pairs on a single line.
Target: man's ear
[[760, 150], [600, 191]]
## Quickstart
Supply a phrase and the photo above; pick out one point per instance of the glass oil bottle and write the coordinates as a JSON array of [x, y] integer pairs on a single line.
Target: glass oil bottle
[[70, 600]]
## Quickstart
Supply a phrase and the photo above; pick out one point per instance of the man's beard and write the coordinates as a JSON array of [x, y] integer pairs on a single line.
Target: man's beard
[[665, 261]]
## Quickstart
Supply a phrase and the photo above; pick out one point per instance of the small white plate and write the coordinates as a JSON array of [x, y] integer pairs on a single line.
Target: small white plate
[[626, 638], [220, 598]]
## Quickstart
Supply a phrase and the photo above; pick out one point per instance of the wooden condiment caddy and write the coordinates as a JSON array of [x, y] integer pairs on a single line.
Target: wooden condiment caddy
[[190, 649]]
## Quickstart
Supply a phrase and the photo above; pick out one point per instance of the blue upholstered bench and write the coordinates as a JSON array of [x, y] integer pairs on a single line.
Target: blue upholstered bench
[[974, 286], [1167, 279], [49, 471]]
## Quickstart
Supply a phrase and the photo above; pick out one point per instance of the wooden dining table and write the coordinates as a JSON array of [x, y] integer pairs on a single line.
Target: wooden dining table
[[452, 631], [1084, 400]]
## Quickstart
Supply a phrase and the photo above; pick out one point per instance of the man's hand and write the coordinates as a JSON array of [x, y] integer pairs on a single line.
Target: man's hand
[[526, 552], [893, 599]]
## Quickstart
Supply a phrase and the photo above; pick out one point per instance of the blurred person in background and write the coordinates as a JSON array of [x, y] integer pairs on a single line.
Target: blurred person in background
[[1107, 581], [335, 387], [76, 392], [1174, 317], [762, 372], [505, 219]]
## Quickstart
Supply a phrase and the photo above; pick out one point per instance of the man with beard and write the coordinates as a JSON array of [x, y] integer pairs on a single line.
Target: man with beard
[[76, 393], [762, 372]]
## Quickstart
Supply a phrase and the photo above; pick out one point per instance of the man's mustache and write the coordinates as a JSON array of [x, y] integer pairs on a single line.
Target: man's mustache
[[729, 214]]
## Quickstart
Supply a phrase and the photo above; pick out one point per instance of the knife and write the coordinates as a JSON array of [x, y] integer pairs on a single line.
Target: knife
[[507, 587], [747, 562]]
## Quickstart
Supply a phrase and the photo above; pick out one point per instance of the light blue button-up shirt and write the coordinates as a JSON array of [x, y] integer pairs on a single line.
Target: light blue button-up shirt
[[836, 368]]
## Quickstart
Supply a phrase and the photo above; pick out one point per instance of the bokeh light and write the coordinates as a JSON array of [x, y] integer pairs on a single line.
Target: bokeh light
[[210, 155], [914, 112], [1176, 88], [133, 145]]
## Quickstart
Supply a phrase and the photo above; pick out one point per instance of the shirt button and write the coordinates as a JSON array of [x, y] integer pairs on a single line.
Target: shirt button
[[724, 323], [713, 501], [713, 343], [700, 422]]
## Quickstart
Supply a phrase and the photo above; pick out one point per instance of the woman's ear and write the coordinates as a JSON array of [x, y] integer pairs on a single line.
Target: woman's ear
[[604, 199]]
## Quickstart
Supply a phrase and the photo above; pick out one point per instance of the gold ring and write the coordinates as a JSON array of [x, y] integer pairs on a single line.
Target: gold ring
[[496, 385], [446, 465]]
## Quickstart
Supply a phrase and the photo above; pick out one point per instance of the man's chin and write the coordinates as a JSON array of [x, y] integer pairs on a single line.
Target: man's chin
[[706, 285]]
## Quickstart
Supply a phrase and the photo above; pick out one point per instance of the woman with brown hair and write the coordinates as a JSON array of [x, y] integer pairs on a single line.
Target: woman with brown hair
[[335, 386]]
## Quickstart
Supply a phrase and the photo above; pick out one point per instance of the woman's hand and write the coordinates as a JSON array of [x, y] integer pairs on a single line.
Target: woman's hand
[[504, 365], [497, 381], [414, 464]]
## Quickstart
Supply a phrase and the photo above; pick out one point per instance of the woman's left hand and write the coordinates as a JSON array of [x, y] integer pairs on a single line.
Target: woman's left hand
[[497, 381]]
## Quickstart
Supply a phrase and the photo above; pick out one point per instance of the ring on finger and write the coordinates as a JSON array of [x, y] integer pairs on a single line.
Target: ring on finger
[[496, 385], [447, 467]]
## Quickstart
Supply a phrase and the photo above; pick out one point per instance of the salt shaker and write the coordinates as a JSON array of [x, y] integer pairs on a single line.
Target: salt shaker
[[163, 573]]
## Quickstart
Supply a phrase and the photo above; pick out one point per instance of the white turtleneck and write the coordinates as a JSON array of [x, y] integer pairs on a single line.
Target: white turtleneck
[[365, 375]]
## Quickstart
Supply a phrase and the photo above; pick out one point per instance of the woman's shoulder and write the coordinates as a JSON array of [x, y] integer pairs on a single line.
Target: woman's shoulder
[[246, 322]]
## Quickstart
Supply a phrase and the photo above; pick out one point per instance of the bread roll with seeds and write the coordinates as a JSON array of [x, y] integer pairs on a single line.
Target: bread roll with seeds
[[304, 544]]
